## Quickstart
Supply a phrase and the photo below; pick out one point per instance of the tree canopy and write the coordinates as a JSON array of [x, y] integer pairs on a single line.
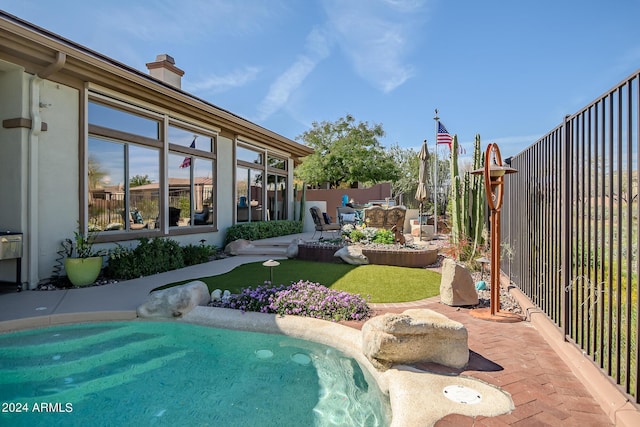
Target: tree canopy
[[346, 152], [406, 184], [138, 180]]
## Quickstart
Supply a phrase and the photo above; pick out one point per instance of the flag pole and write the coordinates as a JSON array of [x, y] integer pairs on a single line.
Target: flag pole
[[435, 179]]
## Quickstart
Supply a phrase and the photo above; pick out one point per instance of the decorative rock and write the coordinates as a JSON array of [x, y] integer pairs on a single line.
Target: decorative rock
[[292, 249], [226, 295], [216, 295], [416, 335], [352, 255], [235, 246], [175, 301], [456, 285], [481, 285]]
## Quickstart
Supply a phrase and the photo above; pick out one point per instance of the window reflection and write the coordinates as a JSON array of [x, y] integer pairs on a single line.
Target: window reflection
[[249, 203], [277, 163], [124, 172], [179, 190], [246, 155], [144, 187], [106, 184], [116, 202], [112, 118], [190, 139], [190, 200]]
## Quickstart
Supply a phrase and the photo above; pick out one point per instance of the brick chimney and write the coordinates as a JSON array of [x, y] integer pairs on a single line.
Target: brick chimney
[[164, 68]]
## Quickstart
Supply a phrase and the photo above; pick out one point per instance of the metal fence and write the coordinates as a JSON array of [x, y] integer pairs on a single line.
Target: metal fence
[[570, 232]]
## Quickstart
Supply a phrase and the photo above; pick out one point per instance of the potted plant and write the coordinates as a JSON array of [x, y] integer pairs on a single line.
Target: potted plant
[[82, 264]]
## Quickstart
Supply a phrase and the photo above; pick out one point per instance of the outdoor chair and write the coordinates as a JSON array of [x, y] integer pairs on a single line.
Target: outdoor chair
[[346, 215], [202, 218], [321, 223]]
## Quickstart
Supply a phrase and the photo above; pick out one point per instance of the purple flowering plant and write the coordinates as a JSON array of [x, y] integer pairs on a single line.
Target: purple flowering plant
[[303, 298]]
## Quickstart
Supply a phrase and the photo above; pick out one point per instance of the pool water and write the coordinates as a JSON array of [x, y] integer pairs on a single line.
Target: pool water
[[166, 373]]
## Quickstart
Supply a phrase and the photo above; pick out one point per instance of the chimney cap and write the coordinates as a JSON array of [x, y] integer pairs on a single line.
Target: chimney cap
[[165, 57]]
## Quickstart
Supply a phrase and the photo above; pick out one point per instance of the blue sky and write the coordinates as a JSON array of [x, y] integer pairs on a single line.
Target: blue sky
[[508, 70]]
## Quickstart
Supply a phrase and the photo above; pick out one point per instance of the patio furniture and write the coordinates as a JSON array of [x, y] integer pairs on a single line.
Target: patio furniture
[[321, 224], [174, 216], [202, 218], [347, 215], [136, 222]]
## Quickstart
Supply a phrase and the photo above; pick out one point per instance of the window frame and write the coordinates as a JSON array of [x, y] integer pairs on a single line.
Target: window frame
[[165, 120], [263, 168]]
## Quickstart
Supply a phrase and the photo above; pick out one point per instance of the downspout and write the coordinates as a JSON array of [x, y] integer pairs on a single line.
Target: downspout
[[31, 235]]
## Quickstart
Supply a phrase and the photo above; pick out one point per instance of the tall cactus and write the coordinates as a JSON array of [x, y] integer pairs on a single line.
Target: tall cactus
[[465, 203], [456, 210], [478, 207]]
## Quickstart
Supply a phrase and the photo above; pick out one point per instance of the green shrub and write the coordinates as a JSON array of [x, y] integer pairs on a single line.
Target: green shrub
[[197, 254], [356, 235], [384, 236], [262, 230], [149, 257]]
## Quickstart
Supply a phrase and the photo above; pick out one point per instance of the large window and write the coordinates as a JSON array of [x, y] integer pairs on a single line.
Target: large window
[[257, 199], [190, 178], [126, 189]]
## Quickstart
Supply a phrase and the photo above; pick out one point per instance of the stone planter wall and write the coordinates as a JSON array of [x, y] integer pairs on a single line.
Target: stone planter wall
[[318, 253], [414, 259]]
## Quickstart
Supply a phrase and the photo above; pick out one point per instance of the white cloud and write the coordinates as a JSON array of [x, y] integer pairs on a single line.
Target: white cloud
[[376, 36], [318, 48], [221, 83]]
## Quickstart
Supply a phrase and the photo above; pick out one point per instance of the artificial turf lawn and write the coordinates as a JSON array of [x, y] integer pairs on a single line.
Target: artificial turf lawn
[[382, 283]]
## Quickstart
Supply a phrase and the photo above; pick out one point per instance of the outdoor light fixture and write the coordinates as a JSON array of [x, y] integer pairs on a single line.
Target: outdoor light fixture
[[494, 173], [483, 261], [271, 263]]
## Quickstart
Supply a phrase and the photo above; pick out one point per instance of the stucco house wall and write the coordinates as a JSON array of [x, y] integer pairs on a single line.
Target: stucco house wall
[[47, 84]]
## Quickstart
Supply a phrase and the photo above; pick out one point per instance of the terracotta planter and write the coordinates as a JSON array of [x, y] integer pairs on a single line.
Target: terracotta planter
[[83, 271]]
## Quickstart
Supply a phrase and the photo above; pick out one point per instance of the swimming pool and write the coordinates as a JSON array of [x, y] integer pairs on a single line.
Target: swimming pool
[[167, 373]]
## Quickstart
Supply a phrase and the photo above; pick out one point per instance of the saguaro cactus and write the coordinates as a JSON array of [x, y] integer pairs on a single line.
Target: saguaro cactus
[[456, 209], [465, 203], [478, 205]]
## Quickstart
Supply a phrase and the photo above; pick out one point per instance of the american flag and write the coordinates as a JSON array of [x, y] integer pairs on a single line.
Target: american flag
[[443, 136], [187, 160]]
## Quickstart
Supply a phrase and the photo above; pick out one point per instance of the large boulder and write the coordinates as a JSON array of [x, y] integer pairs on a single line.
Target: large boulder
[[352, 255], [234, 247], [456, 285], [175, 301], [416, 335]]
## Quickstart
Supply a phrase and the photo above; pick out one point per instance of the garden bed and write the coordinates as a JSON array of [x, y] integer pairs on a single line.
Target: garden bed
[[400, 257]]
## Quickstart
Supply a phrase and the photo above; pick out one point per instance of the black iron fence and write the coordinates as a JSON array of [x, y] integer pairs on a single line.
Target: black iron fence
[[571, 239]]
